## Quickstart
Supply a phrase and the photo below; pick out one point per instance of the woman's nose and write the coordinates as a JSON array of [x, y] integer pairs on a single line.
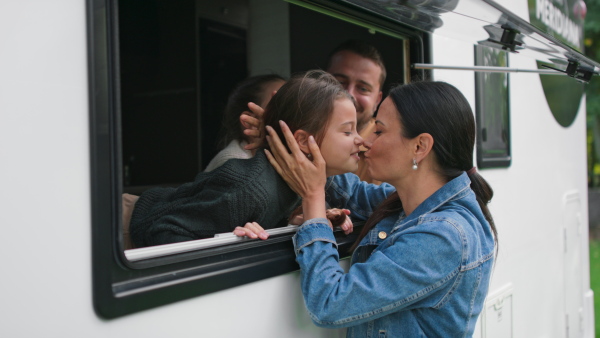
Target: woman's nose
[[367, 144]]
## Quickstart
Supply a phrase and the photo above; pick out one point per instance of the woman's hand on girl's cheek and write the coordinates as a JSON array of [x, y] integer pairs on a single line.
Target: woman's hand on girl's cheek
[[251, 230], [303, 176]]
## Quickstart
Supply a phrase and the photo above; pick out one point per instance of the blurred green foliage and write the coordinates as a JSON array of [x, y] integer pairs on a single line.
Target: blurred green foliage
[[592, 50]]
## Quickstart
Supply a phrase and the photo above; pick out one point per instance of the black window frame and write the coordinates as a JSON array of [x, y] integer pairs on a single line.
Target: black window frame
[[121, 287]]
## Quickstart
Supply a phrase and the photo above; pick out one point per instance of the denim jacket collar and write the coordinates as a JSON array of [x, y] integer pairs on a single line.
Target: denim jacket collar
[[454, 189]]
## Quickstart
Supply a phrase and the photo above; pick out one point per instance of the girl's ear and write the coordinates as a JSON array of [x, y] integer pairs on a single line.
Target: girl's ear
[[301, 137]]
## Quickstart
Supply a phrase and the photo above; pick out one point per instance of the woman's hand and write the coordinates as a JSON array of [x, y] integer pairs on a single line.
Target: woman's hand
[[251, 230], [304, 176], [254, 127]]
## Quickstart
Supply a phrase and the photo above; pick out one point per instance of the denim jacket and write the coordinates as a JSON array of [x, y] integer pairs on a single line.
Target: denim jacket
[[422, 275]]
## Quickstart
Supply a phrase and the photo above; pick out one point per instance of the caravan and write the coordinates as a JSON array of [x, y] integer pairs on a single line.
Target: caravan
[[104, 97]]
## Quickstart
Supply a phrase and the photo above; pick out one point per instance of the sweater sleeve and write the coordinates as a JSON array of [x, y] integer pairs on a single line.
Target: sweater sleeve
[[361, 198], [240, 191], [165, 217]]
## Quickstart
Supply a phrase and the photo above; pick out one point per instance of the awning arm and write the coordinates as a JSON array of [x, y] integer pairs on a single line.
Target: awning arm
[[487, 69]]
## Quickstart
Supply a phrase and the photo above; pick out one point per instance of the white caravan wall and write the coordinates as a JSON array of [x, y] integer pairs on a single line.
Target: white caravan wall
[[45, 198], [44, 171], [548, 163]]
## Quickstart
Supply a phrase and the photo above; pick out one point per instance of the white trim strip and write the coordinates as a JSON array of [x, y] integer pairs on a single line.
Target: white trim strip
[[135, 255]]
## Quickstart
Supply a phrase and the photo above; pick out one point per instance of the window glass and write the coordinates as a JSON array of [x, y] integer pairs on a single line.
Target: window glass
[[493, 128], [179, 62]]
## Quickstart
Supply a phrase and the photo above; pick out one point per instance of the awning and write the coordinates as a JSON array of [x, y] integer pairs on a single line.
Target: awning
[[555, 40]]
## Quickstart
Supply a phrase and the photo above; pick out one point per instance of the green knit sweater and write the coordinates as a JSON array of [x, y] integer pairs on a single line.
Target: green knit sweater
[[237, 192]]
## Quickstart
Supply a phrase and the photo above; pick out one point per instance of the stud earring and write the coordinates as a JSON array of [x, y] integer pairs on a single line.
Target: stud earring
[[309, 156], [415, 166]]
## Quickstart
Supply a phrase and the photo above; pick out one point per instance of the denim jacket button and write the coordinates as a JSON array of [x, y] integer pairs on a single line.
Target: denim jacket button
[[382, 235]]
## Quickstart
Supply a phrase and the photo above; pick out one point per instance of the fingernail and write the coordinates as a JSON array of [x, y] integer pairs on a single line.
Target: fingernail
[[311, 139]]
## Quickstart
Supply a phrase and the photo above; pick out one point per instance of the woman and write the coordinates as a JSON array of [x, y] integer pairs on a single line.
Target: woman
[[248, 190], [423, 261], [257, 89]]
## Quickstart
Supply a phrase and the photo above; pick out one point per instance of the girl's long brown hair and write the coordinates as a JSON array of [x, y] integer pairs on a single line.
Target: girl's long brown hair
[[305, 102]]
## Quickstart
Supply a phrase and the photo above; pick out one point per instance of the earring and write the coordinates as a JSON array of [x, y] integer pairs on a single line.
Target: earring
[[415, 166], [309, 156]]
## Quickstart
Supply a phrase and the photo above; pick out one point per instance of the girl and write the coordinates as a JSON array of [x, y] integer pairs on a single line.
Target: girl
[[249, 190]]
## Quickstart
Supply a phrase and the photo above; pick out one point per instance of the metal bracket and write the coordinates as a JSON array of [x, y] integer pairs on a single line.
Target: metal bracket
[[579, 71], [509, 40]]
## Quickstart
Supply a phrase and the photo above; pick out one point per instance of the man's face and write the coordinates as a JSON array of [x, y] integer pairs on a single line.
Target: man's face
[[360, 77]]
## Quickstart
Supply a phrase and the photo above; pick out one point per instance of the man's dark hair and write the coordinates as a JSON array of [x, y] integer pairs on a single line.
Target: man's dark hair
[[363, 49]]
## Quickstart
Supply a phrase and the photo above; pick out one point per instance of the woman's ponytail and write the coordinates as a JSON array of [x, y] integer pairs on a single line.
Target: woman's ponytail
[[484, 193]]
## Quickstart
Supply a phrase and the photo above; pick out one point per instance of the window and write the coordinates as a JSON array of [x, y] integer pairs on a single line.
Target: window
[[492, 109], [160, 72]]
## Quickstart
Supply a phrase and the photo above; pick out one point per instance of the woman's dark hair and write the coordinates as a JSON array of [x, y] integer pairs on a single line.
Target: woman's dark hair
[[305, 102], [251, 89], [441, 110]]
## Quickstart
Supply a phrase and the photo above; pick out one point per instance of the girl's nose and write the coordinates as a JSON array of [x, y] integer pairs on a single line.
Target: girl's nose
[[358, 140]]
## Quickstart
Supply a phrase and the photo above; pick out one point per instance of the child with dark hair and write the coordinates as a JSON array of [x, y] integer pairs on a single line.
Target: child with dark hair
[[257, 89]]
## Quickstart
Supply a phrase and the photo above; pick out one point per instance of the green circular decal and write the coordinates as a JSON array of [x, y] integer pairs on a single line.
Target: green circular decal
[[562, 19], [563, 95]]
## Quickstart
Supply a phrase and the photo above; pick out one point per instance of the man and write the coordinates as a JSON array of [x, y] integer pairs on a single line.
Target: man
[[359, 68]]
